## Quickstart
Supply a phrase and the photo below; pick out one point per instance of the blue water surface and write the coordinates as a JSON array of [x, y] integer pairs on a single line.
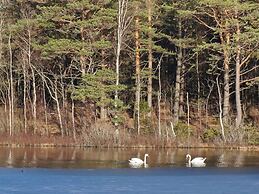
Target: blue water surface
[[151, 180]]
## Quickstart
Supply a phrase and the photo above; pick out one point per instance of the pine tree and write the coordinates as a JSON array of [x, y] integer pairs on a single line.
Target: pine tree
[[100, 88]]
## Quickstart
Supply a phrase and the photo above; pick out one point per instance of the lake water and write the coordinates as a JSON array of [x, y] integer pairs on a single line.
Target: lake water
[[92, 158], [80, 171]]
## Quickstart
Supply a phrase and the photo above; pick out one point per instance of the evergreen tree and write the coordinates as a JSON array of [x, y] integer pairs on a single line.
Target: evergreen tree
[[100, 88]]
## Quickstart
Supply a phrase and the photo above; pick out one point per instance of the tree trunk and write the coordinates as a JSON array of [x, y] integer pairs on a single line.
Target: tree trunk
[[226, 104], [4, 95], [122, 25], [34, 102], [34, 92], [182, 91], [159, 98], [198, 91], [137, 61], [178, 77], [58, 109], [210, 86], [24, 96], [188, 114], [11, 89], [220, 111], [73, 118], [103, 110], [1, 37], [226, 101], [150, 58], [64, 111], [177, 94], [238, 53], [121, 12], [45, 108]]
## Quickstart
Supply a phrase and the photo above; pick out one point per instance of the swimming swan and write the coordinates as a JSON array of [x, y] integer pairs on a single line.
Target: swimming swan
[[195, 162], [138, 162]]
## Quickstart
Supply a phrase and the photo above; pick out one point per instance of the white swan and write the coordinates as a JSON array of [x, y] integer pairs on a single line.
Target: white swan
[[136, 162], [195, 162]]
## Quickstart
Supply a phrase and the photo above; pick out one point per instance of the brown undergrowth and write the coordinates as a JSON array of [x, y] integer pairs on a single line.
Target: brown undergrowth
[[124, 140], [35, 140], [202, 132], [134, 141]]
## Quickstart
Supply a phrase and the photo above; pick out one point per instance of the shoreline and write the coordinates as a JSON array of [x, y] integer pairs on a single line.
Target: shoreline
[[30, 141], [54, 145]]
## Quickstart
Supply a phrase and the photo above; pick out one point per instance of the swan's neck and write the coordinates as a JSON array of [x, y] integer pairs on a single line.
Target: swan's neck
[[189, 159], [145, 159]]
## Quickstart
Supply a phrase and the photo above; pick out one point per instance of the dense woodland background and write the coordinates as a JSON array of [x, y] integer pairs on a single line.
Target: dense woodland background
[[130, 72]]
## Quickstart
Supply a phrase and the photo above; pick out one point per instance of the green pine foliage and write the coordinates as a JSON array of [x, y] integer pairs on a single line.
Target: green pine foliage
[[99, 88], [67, 24]]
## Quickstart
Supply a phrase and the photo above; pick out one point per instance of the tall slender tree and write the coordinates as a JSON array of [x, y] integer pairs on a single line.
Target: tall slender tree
[[137, 63], [149, 4]]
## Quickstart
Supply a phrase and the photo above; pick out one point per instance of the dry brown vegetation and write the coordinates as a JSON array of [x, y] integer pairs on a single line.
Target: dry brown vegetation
[[98, 132]]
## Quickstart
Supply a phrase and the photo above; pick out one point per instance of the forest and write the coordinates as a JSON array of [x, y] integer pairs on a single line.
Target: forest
[[129, 72]]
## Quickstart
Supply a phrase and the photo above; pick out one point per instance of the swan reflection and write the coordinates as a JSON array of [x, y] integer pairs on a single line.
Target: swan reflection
[[138, 165], [228, 160]]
